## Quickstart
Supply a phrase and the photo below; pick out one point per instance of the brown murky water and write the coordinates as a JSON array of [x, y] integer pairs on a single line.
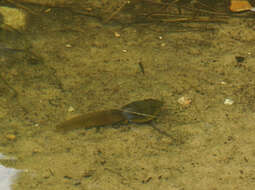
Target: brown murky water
[[72, 64]]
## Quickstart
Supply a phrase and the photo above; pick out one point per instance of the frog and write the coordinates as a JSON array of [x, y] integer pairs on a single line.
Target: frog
[[142, 111]]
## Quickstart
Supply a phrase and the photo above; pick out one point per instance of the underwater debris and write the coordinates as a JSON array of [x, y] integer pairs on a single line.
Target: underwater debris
[[11, 137], [240, 5], [184, 101], [228, 101]]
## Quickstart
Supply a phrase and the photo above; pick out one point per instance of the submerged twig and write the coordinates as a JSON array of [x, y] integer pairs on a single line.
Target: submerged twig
[[137, 113], [117, 11], [141, 67], [18, 5], [192, 19]]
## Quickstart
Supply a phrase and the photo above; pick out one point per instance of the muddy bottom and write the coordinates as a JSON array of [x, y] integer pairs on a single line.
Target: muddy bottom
[[74, 64]]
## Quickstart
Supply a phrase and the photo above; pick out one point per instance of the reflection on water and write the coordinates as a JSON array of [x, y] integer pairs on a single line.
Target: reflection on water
[[7, 175]]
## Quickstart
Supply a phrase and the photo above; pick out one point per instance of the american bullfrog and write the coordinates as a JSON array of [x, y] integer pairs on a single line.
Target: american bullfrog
[[137, 112]]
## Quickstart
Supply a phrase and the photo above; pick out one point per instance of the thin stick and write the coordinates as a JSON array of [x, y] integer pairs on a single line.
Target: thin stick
[[116, 12], [141, 67], [22, 7], [197, 19], [141, 114]]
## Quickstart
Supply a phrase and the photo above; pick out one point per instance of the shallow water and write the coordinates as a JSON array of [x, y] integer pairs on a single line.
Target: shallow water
[[84, 64]]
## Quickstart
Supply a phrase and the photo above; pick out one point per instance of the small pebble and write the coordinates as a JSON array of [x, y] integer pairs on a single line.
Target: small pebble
[[185, 101], [88, 9], [70, 109], [11, 137], [47, 10], [36, 150], [228, 101], [116, 34], [162, 44], [68, 45], [167, 140]]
